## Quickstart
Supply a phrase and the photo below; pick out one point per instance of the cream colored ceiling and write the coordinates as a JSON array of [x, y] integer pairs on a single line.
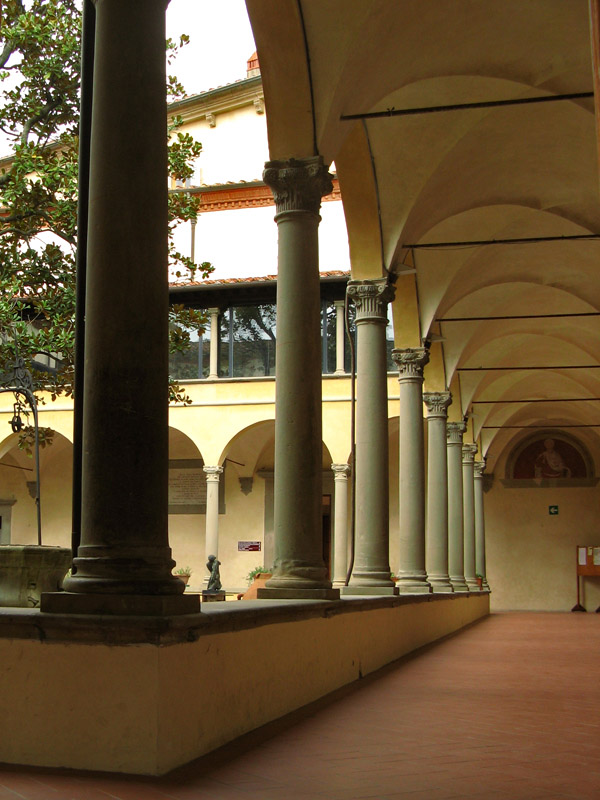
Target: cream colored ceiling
[[513, 172]]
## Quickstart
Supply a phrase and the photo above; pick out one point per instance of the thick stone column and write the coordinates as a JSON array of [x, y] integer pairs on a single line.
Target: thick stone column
[[436, 527], [340, 524], [213, 369], [468, 457], [299, 569], [124, 562], [456, 547], [340, 337], [371, 573], [480, 567], [412, 577], [213, 475]]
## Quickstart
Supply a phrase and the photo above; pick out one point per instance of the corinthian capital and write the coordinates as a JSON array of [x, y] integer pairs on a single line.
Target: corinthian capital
[[479, 468], [437, 403], [468, 453], [213, 473], [411, 362], [454, 432], [298, 184], [370, 299]]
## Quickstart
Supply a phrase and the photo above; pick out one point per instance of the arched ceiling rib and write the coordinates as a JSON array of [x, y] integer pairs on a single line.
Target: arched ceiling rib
[[476, 175]]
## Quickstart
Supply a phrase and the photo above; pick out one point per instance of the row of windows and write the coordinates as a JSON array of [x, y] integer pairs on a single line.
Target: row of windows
[[246, 346]]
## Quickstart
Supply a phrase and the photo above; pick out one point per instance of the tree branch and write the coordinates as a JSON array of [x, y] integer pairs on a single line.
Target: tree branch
[[43, 115]]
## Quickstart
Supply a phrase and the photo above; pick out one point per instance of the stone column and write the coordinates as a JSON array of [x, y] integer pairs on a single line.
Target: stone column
[[124, 561], [213, 369], [480, 567], [213, 475], [468, 457], [340, 524], [456, 547], [371, 573], [436, 527], [340, 337], [299, 569], [412, 577]]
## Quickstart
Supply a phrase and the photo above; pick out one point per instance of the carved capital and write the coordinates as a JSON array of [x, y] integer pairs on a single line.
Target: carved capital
[[454, 432], [298, 184], [479, 469], [437, 404], [340, 472], [213, 474], [411, 362], [370, 299], [468, 453]]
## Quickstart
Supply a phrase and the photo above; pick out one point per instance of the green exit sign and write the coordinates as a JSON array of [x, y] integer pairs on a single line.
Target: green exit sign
[[553, 511]]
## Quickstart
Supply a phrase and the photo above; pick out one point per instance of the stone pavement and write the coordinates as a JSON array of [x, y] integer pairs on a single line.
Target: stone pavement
[[508, 709]]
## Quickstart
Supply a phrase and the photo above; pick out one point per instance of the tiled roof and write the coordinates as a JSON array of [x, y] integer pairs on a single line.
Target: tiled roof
[[263, 279]]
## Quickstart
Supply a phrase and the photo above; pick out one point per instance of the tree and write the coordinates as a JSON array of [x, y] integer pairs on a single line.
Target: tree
[[39, 102]]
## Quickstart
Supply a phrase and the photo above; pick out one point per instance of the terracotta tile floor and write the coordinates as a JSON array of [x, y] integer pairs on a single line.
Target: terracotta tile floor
[[506, 710]]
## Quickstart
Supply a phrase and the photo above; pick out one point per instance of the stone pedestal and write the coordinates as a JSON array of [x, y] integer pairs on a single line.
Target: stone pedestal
[[340, 524], [411, 573], [468, 457], [213, 597], [371, 573], [299, 570], [456, 549], [436, 527], [124, 547], [480, 566]]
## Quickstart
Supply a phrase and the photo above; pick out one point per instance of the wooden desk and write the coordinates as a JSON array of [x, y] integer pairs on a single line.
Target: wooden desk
[[588, 565]]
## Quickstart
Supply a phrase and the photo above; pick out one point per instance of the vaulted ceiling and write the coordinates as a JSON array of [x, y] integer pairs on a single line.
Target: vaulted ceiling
[[421, 191]]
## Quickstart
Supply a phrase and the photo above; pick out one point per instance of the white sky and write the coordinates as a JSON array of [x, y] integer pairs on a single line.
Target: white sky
[[221, 42]]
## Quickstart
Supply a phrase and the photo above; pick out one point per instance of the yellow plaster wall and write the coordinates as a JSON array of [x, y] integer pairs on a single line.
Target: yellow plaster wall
[[531, 554], [79, 705], [147, 709]]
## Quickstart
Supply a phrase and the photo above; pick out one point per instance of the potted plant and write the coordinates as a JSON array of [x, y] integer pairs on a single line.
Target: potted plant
[[479, 579], [256, 578], [183, 573]]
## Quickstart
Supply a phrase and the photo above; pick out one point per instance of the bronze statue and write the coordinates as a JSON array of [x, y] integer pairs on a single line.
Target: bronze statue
[[214, 582]]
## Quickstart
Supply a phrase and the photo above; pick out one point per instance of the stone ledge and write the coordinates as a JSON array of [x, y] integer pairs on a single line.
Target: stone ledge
[[30, 623]]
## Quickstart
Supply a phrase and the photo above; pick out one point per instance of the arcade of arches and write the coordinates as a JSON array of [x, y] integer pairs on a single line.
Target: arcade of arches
[[478, 224]]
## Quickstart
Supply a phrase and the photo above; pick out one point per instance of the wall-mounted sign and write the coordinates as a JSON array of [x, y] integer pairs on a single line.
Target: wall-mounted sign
[[249, 546], [553, 510]]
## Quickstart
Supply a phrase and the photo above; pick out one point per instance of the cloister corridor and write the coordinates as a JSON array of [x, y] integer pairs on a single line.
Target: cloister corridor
[[505, 709]]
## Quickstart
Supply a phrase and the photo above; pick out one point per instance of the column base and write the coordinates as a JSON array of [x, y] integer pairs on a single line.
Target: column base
[[370, 590], [441, 586], [459, 583], [297, 594], [413, 584], [472, 585], [130, 605]]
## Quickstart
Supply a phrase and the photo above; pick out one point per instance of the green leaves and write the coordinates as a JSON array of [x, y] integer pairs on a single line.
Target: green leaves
[[39, 116]]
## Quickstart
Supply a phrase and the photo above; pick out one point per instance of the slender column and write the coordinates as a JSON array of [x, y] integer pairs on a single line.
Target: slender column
[[213, 369], [412, 577], [436, 527], [468, 457], [340, 524], [480, 567], [339, 337], [299, 569], [371, 573], [213, 475], [456, 548], [124, 561]]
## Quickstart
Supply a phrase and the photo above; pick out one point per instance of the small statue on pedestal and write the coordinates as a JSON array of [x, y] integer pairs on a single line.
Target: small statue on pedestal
[[214, 582]]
